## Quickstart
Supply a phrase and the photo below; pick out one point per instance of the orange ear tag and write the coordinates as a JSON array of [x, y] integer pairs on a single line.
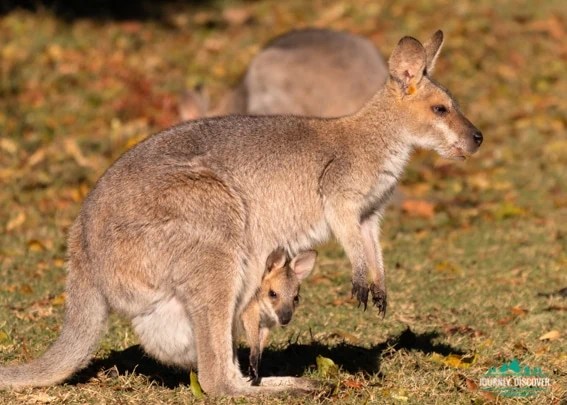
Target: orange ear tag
[[410, 90]]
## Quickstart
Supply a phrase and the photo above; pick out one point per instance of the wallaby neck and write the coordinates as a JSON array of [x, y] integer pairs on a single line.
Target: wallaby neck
[[383, 116], [379, 129]]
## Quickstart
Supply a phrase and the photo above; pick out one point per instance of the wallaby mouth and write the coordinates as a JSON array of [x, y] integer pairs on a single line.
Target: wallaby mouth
[[457, 153], [284, 322], [464, 149]]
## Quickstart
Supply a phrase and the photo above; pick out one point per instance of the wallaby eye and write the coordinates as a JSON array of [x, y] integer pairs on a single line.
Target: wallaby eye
[[272, 294], [296, 299], [439, 109]]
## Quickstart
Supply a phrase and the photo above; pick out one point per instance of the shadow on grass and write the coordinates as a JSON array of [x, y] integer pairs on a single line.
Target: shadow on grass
[[294, 360]]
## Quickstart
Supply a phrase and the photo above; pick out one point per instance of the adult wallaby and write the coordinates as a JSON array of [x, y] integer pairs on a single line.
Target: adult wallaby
[[308, 72], [274, 302], [176, 233]]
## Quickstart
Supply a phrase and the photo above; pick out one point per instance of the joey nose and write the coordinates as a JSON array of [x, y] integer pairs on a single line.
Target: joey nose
[[285, 318], [477, 136]]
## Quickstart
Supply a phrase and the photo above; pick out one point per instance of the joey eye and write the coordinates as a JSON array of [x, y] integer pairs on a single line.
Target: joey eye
[[296, 299], [272, 294], [440, 109]]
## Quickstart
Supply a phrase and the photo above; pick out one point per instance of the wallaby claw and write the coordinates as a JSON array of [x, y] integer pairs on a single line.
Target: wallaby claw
[[254, 378], [379, 299], [361, 294]]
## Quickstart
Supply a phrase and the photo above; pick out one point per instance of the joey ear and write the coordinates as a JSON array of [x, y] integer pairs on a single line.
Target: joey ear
[[303, 263], [407, 64], [276, 259], [432, 50]]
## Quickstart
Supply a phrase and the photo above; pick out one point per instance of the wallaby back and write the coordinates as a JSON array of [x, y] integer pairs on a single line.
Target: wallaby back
[[310, 72]]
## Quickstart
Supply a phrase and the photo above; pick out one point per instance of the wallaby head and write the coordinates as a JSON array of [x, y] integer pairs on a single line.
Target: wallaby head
[[279, 291], [432, 118]]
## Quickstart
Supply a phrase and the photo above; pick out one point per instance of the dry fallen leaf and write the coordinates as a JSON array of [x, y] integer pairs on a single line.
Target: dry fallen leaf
[[400, 397], [326, 366], [471, 384], [448, 268], [236, 15], [507, 320], [551, 335], [454, 360], [72, 148], [331, 14], [348, 337], [518, 310], [16, 221], [4, 337], [36, 158], [508, 210], [351, 383], [489, 396], [9, 146], [419, 208], [195, 386], [35, 246], [461, 330], [25, 289], [58, 299], [552, 26]]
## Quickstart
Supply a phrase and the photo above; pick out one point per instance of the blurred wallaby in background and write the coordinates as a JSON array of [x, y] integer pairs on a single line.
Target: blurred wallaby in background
[[310, 72]]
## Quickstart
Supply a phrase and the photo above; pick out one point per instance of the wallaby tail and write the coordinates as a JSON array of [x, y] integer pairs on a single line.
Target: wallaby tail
[[86, 312]]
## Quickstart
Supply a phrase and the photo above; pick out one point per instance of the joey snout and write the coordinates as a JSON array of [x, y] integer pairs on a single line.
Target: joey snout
[[284, 316]]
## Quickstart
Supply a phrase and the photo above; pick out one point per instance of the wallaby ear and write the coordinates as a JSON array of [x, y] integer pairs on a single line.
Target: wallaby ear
[[432, 50], [407, 64], [303, 263], [276, 259]]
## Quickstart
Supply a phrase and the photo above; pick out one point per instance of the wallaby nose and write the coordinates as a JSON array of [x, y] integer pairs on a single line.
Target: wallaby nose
[[477, 136]]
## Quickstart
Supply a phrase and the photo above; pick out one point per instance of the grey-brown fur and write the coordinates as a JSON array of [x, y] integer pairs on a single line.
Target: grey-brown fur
[[309, 72], [175, 234]]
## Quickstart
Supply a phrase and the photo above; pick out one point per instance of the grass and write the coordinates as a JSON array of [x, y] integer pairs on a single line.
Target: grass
[[463, 281]]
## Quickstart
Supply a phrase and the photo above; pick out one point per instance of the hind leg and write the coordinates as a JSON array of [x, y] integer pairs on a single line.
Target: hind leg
[[212, 307], [210, 298]]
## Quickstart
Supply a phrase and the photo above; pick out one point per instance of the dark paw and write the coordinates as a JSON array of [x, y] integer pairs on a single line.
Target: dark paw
[[360, 291], [253, 375], [379, 299]]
